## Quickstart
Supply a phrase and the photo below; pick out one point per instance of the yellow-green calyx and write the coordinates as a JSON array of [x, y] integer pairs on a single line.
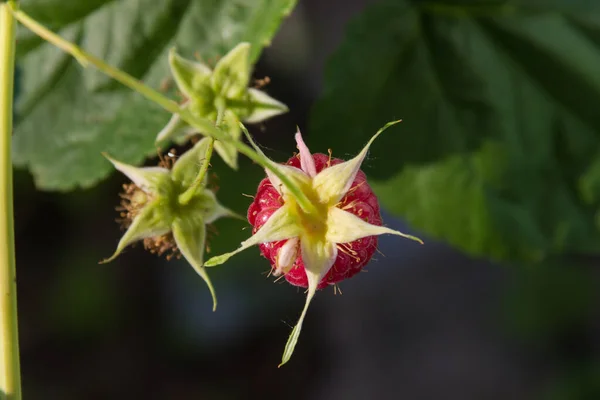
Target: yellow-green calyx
[[314, 223], [155, 214], [221, 95]]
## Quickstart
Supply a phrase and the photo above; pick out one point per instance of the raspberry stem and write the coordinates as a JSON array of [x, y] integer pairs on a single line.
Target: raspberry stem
[[187, 196], [10, 378]]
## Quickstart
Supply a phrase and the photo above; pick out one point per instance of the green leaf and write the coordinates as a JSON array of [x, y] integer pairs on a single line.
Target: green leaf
[[444, 76], [449, 200], [493, 8], [548, 47], [589, 183], [60, 13], [68, 116], [397, 62], [499, 106], [62, 135], [491, 205], [54, 14]]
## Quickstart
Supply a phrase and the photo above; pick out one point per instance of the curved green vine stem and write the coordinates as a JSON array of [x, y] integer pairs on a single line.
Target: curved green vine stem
[[187, 196], [10, 375], [203, 125]]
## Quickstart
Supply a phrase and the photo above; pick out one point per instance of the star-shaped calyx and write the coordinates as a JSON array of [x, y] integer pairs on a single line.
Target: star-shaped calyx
[[162, 207], [316, 229], [221, 95]]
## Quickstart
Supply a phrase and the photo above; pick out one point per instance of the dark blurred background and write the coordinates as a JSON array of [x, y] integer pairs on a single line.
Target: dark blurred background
[[425, 322]]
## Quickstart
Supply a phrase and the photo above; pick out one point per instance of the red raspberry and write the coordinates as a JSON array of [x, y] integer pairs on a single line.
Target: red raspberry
[[352, 257]]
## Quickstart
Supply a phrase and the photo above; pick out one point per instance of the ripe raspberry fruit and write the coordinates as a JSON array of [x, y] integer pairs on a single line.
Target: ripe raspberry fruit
[[351, 257], [316, 221]]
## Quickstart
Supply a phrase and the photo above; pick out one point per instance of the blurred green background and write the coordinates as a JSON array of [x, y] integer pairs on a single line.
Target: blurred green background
[[496, 166]]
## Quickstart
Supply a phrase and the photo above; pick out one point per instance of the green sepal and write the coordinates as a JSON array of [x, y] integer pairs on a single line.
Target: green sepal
[[176, 129], [232, 73], [215, 210], [257, 106], [290, 345], [153, 220], [149, 179], [228, 151], [190, 235], [318, 256], [191, 77], [281, 226], [185, 169]]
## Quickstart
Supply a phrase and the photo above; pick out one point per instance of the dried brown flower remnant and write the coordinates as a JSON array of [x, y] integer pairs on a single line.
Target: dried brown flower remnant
[[164, 244], [133, 200]]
